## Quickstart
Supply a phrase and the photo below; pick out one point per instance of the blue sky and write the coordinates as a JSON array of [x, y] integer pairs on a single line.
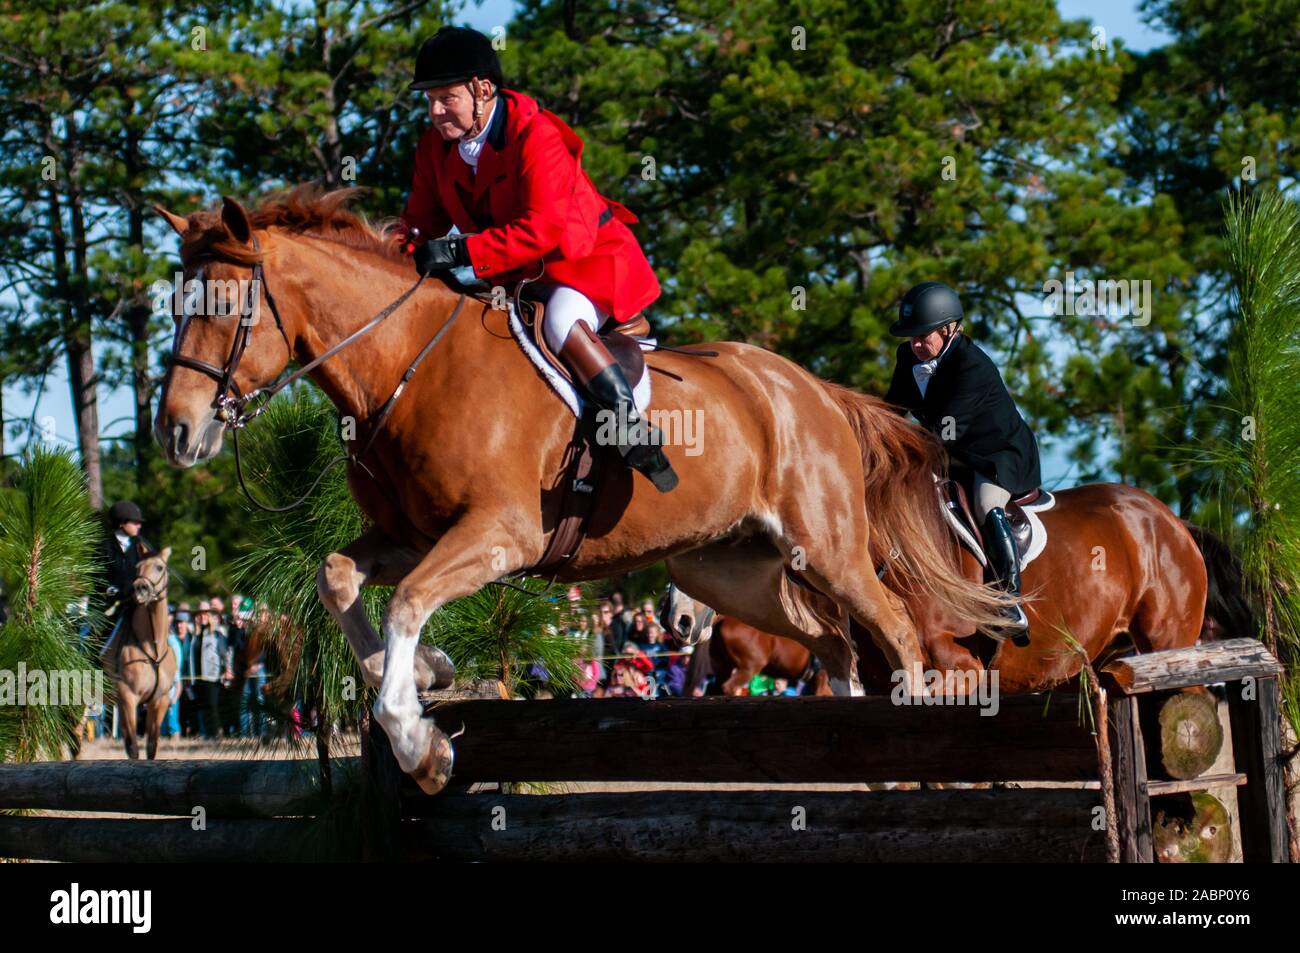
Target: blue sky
[[1119, 17]]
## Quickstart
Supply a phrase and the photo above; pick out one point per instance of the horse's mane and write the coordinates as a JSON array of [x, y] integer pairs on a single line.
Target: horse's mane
[[305, 209]]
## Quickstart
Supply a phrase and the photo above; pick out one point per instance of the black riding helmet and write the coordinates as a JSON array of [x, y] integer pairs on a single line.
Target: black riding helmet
[[929, 305], [124, 511], [456, 55]]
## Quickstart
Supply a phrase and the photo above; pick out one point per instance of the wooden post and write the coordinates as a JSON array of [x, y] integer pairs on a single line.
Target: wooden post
[[382, 800], [1257, 747], [1132, 804]]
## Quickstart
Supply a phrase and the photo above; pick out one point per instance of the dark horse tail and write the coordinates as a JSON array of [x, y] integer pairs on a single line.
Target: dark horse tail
[[1228, 610]]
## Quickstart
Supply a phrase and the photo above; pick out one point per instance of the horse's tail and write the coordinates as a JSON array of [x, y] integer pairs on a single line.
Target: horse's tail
[[1228, 610], [908, 531]]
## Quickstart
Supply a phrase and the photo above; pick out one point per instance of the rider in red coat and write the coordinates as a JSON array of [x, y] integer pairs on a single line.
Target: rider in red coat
[[508, 174]]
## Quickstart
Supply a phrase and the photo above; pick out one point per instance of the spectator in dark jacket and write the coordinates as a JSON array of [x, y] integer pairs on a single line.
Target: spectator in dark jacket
[[210, 661]]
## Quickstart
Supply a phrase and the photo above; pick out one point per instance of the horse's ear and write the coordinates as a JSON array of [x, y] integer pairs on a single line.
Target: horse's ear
[[165, 554], [178, 222], [236, 220]]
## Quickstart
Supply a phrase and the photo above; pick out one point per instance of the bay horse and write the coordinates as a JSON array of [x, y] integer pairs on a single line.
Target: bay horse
[[737, 651], [1119, 571], [145, 666], [460, 479]]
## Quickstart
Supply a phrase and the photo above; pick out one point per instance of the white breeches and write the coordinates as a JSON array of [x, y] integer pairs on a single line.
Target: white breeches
[[565, 307], [988, 496]]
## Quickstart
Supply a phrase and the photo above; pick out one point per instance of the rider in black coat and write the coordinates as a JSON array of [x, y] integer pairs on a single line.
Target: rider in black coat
[[955, 390], [119, 554]]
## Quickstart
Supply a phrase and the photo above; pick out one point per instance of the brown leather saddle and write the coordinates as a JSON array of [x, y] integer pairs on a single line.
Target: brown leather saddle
[[580, 476], [953, 496], [619, 337]]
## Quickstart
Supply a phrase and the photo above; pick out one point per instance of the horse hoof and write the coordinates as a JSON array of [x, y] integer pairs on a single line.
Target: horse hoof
[[434, 669], [434, 770]]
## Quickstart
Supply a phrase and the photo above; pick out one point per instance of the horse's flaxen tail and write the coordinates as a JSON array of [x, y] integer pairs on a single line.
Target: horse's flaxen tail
[[900, 462], [1228, 610]]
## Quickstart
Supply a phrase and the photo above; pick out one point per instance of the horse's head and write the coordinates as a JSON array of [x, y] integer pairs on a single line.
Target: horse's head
[[689, 621], [150, 583], [229, 340]]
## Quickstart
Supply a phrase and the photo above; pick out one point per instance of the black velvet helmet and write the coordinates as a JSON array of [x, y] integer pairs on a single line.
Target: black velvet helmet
[[125, 511], [455, 55], [929, 305]]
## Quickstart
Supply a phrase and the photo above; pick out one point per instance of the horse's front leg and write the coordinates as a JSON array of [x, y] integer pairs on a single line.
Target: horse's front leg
[[467, 557], [374, 559]]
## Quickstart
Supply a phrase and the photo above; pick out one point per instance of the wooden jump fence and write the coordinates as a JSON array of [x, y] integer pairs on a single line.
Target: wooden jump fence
[[274, 810]]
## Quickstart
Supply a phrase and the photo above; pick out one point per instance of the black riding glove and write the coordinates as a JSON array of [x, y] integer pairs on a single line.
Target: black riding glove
[[442, 254]]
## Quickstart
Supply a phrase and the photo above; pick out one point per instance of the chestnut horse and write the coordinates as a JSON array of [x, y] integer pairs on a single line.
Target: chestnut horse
[[738, 652], [145, 664], [460, 481], [1120, 570]]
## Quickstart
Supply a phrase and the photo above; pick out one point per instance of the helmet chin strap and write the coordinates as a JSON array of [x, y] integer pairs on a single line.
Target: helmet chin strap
[[475, 129]]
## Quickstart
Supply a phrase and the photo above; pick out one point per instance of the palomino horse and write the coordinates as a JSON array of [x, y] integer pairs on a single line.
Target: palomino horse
[[460, 481], [146, 666], [1119, 571]]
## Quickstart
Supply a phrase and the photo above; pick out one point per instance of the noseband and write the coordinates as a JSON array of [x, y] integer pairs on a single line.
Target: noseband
[[157, 589], [229, 402]]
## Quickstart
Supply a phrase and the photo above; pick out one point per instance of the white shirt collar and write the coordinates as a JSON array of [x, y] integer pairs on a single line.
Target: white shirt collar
[[123, 540], [469, 149], [924, 370]]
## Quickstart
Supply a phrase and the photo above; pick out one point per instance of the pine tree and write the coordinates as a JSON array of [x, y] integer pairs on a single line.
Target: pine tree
[[47, 543]]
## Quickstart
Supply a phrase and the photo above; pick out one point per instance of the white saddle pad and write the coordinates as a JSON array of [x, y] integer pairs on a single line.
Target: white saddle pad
[[571, 396], [1037, 540]]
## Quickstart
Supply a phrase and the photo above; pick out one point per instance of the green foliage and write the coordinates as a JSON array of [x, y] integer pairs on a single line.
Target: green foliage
[[497, 633], [1256, 460], [500, 632], [47, 544], [283, 453]]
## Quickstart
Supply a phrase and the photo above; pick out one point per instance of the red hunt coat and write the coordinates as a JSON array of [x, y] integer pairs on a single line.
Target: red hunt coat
[[530, 200]]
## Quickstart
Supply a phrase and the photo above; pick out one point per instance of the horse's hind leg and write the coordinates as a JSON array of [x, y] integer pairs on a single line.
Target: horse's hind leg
[[842, 570], [748, 582], [373, 559]]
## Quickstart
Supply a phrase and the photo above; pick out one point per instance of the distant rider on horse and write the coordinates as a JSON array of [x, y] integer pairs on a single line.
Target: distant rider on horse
[[508, 175], [955, 390]]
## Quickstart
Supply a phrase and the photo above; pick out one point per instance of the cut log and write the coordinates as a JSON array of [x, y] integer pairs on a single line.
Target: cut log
[[1190, 734], [1191, 829], [1047, 825], [1029, 738], [163, 840], [1195, 665], [221, 788]]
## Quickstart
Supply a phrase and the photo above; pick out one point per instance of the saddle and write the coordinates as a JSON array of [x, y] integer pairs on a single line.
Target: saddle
[[620, 338], [956, 504], [580, 479]]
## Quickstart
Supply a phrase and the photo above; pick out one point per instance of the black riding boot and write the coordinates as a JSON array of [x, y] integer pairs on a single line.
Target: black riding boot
[[607, 385], [1001, 550]]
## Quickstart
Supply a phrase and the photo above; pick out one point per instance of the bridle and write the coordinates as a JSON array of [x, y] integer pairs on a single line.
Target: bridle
[[231, 405], [157, 588], [157, 593]]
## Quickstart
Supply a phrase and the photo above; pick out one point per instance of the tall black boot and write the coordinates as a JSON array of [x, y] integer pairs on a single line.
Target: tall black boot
[[1001, 549], [586, 355]]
